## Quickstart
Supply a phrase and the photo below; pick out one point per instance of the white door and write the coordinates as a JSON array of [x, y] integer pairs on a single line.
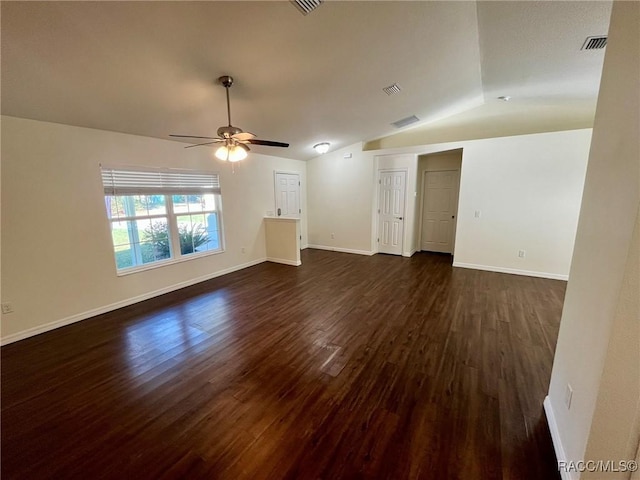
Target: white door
[[391, 211], [287, 194], [439, 197]]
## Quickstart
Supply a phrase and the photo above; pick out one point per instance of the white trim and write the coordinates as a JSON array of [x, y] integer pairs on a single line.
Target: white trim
[[122, 272], [303, 247], [409, 254], [123, 303], [513, 271], [561, 456], [284, 261], [342, 250]]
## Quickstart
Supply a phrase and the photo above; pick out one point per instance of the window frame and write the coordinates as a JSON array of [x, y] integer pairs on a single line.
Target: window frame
[[111, 189]]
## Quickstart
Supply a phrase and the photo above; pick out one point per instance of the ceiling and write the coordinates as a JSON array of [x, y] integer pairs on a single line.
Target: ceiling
[[149, 68]]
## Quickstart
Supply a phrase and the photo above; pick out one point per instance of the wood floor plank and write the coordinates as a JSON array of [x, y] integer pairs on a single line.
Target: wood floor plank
[[346, 367]]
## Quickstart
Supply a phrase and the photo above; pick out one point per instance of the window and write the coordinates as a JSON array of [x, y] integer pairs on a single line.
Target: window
[[162, 216]]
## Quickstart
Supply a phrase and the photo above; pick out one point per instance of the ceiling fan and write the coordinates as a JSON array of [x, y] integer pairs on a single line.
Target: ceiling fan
[[234, 141]]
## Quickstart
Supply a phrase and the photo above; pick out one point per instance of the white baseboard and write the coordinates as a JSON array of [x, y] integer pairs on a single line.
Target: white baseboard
[[284, 261], [342, 250], [409, 254], [513, 271], [123, 303], [561, 456], [304, 246]]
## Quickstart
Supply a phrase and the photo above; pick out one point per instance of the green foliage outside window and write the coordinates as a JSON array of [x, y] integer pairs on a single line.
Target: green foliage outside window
[[190, 238]]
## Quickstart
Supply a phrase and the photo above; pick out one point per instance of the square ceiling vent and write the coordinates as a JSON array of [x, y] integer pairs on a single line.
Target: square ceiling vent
[[392, 89], [594, 43], [406, 121], [306, 6]]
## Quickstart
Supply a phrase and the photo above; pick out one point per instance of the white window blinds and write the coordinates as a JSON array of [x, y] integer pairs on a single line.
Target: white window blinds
[[123, 181]]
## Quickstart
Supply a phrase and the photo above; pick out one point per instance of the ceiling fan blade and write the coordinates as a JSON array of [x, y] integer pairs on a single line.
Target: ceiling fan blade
[[207, 143], [243, 136], [193, 136], [244, 146], [267, 143]]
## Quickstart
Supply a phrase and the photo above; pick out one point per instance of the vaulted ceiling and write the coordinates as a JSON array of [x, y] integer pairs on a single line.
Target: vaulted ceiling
[[149, 68]]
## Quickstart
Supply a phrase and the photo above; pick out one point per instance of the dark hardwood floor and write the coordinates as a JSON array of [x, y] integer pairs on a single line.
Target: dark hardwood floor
[[346, 367]]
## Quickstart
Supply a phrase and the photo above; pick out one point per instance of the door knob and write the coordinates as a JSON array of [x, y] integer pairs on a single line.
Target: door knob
[[399, 218]]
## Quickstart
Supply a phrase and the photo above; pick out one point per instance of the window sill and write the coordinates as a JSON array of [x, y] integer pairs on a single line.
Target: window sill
[[152, 266]]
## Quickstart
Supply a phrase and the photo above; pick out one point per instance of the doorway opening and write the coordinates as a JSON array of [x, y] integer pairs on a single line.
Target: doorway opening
[[439, 192]]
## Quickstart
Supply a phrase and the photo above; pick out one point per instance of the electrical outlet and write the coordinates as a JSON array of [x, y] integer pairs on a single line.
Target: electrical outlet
[[477, 214], [7, 308], [568, 395], [243, 250], [521, 253], [333, 235]]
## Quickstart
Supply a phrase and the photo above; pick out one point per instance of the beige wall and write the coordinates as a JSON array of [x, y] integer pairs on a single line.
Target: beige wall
[[607, 218], [340, 195], [615, 429], [528, 191], [472, 125], [282, 238], [451, 160], [57, 258]]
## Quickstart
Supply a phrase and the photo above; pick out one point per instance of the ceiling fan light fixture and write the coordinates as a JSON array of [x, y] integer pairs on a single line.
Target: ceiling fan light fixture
[[232, 153], [322, 147]]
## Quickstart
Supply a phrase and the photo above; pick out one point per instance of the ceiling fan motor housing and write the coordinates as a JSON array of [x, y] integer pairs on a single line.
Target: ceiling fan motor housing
[[226, 81], [228, 131]]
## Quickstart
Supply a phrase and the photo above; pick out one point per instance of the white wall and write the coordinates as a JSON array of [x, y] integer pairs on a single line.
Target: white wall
[[609, 208], [340, 193], [58, 263], [528, 190]]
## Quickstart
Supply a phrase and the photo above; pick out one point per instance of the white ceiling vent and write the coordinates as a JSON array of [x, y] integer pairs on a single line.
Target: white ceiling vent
[[306, 6], [594, 43], [392, 89], [405, 121]]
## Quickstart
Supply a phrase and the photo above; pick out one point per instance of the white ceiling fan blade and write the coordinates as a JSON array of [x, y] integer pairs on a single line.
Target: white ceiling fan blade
[[243, 136]]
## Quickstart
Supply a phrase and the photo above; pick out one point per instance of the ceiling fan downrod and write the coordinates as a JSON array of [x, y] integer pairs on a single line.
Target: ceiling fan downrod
[[226, 81]]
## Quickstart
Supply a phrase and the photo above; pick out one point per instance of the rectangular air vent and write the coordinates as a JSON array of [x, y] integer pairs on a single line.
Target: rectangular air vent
[[405, 121], [594, 43], [306, 6], [391, 89]]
